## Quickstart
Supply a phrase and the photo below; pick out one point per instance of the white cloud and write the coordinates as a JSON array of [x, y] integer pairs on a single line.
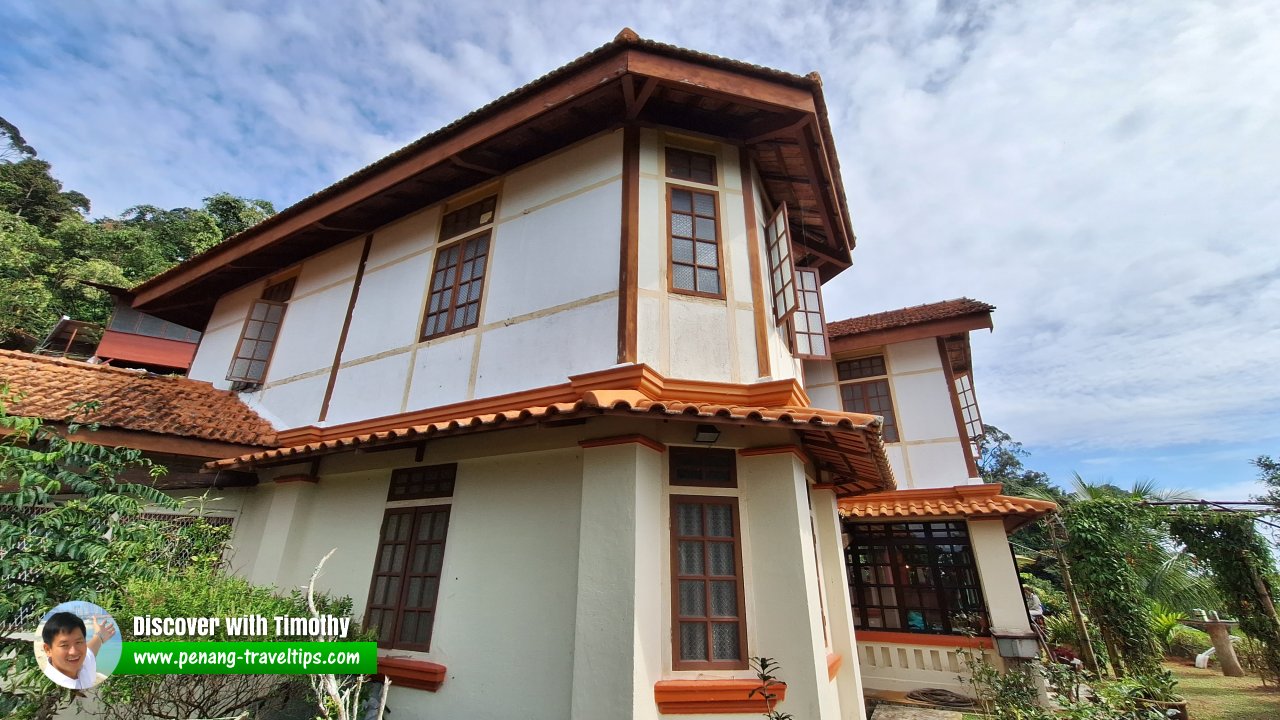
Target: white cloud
[[1104, 173]]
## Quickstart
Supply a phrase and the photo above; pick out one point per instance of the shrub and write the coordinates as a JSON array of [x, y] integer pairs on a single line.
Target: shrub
[[1185, 642], [206, 590], [1253, 655]]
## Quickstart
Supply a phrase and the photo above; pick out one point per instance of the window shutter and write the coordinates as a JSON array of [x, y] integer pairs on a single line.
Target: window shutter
[[781, 266], [808, 326]]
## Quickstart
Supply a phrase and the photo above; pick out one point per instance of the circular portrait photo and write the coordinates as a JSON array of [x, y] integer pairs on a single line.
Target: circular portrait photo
[[77, 645]]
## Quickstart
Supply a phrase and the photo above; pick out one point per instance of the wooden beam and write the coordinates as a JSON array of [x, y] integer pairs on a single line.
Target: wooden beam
[[629, 257], [789, 125], [747, 90], [474, 167], [346, 327], [636, 102], [758, 302]]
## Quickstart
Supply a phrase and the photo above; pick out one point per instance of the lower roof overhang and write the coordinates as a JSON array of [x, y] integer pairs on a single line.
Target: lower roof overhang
[[946, 503], [845, 448]]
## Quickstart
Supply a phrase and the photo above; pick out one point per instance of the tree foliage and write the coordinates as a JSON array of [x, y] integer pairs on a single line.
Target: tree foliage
[[49, 249], [1104, 536], [1243, 569], [1269, 476]]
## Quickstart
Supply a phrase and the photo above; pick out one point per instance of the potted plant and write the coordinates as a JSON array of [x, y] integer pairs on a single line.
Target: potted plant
[[1157, 691]]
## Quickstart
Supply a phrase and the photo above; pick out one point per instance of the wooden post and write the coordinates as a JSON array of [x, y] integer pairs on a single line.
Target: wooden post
[[1086, 645]]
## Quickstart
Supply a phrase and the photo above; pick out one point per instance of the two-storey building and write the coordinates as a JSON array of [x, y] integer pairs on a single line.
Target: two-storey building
[[556, 383]]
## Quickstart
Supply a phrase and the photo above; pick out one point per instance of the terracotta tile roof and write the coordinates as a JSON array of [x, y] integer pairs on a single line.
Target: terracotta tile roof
[[948, 502], [848, 445], [907, 316], [130, 400]]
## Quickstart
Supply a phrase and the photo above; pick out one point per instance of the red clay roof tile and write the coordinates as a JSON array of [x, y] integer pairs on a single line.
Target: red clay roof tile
[[935, 503], [904, 317], [130, 400]]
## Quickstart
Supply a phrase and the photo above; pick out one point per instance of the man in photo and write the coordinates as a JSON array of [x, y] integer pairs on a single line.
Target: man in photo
[[72, 660]]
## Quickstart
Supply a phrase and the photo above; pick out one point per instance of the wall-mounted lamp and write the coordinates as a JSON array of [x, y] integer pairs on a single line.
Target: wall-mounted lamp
[[707, 434]]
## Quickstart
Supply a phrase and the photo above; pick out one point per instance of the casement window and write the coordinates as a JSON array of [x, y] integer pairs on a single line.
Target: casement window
[[258, 338], [864, 388], [708, 610], [914, 577], [703, 467], [782, 281], [969, 407], [411, 544], [457, 279], [694, 225], [808, 326], [695, 242]]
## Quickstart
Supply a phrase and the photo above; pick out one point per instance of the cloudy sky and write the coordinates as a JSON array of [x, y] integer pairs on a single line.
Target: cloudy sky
[[1107, 174]]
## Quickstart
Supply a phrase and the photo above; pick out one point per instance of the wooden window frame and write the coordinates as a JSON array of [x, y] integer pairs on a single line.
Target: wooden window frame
[[805, 313], [714, 170], [676, 618], [448, 477], [892, 431], [276, 293], [686, 456], [451, 291], [889, 537], [416, 513], [781, 261], [671, 263]]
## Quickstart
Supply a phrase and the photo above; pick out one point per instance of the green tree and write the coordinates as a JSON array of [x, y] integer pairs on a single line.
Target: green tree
[[235, 214], [29, 190], [13, 147], [26, 298], [1269, 475], [1000, 461], [48, 250]]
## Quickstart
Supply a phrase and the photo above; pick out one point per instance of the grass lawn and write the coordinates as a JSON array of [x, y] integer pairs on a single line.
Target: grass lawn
[[1210, 696]]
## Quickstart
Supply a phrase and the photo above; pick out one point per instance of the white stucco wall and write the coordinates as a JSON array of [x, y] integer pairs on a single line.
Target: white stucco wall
[[928, 452], [505, 622], [549, 308], [694, 337]]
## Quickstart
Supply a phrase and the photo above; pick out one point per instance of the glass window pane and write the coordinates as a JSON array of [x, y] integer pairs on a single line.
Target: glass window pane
[[682, 250], [707, 256], [681, 200], [681, 225], [724, 641], [275, 313], [692, 598], [705, 229], [722, 560], [708, 281], [693, 641], [724, 598], [689, 520], [719, 521], [682, 277], [704, 204], [691, 558]]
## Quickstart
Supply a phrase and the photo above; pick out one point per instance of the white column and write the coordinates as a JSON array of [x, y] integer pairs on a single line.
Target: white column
[[282, 531], [786, 621], [616, 655], [839, 611], [999, 576]]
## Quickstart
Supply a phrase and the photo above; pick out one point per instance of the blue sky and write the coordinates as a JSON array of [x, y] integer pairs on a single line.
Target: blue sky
[[1104, 173]]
